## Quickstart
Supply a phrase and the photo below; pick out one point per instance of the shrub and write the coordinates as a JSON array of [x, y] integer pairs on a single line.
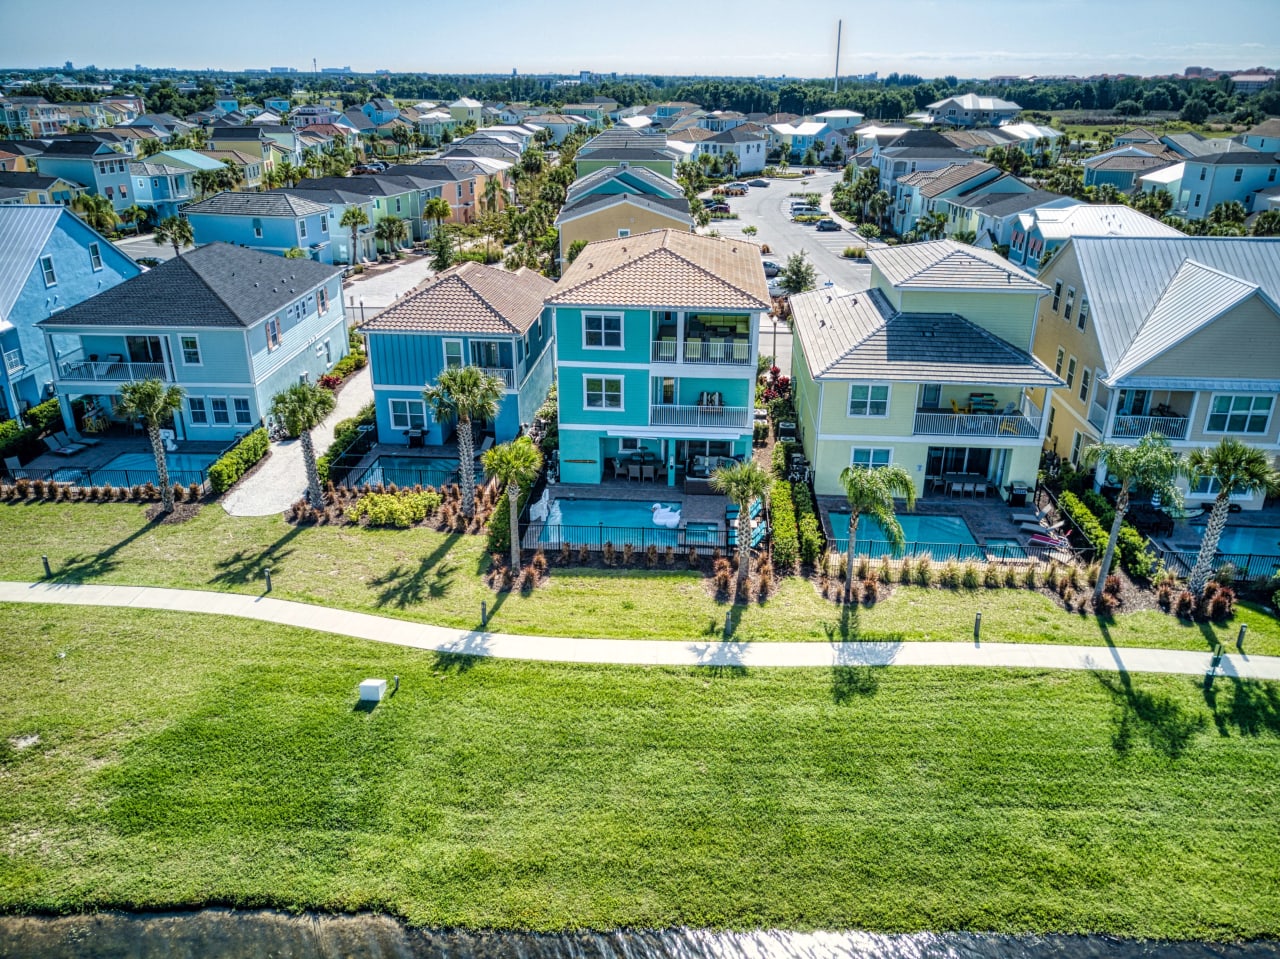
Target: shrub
[[628, 554], [584, 554], [924, 571], [1029, 577], [950, 575], [607, 553], [400, 510], [45, 416], [992, 576], [1185, 605], [864, 567], [1164, 596], [781, 459], [1112, 585], [355, 360], [1106, 603], [17, 440], [969, 577], [811, 541], [885, 573], [1222, 605], [344, 434], [1094, 516], [499, 539], [869, 230], [854, 252], [786, 541], [905, 571], [238, 460]]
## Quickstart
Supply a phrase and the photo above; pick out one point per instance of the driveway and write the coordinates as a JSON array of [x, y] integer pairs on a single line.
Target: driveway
[[141, 247], [370, 293]]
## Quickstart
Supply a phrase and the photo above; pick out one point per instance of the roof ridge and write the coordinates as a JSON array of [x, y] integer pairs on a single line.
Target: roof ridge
[[483, 269]]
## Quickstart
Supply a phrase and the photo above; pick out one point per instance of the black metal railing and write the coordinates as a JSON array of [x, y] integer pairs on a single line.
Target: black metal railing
[[963, 552], [1247, 565], [83, 477], [595, 536]]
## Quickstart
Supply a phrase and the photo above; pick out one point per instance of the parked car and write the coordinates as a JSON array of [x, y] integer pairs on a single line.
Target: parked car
[[771, 268], [805, 211], [775, 289], [757, 183], [828, 226], [718, 208]]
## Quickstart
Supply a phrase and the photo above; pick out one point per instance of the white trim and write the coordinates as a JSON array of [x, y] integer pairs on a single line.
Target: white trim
[[888, 449], [182, 349], [888, 398], [391, 414], [603, 378], [213, 421], [1204, 428], [597, 364], [444, 354]]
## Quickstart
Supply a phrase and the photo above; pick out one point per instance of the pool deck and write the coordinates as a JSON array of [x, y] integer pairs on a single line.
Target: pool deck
[[398, 451], [986, 519], [108, 448]]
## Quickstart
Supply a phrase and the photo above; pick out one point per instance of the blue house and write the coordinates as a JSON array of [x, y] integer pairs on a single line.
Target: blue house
[[271, 222], [49, 260], [160, 187], [469, 315], [656, 341], [380, 110], [94, 165], [232, 327], [278, 105]]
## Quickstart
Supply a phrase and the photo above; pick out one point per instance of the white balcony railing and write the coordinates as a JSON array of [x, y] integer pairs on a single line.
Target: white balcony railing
[[13, 361], [1016, 426], [1136, 427], [112, 371], [725, 353], [715, 417], [507, 376]]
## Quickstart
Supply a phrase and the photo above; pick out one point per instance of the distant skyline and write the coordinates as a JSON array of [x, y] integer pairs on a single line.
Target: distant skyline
[[931, 38]]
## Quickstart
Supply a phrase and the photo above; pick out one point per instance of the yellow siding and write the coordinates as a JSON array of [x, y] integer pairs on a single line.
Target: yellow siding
[[605, 225], [899, 422], [1242, 343], [1007, 315]]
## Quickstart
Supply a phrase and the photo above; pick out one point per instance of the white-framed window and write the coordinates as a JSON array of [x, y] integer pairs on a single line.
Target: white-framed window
[[50, 275], [241, 406], [1071, 372], [324, 223], [602, 330], [869, 399], [1085, 382], [408, 414], [869, 457], [602, 392], [1077, 441], [302, 229], [190, 350], [1071, 302], [95, 257], [1084, 314], [628, 444], [1052, 410], [1057, 366], [452, 354], [221, 413], [322, 297], [1057, 294], [257, 228], [1239, 413], [622, 233], [273, 334], [199, 412]]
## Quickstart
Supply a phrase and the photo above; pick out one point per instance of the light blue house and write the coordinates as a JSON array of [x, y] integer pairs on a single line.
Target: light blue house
[[656, 345], [272, 222], [93, 164], [232, 327], [160, 187], [277, 105], [49, 261], [469, 315], [380, 110]]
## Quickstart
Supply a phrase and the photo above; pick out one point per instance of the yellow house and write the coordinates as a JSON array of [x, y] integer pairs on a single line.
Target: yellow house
[[36, 190], [608, 216], [1175, 335]]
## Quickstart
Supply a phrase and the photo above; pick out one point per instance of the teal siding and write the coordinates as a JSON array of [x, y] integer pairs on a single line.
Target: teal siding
[[635, 398], [536, 385], [404, 359], [636, 335]]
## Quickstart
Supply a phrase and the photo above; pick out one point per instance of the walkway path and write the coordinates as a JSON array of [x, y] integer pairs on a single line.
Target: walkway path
[[282, 480], [636, 651]]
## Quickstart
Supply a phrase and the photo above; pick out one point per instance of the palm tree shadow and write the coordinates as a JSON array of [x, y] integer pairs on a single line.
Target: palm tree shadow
[[721, 659], [85, 566], [432, 579], [1164, 723], [846, 628], [1252, 709], [245, 566]]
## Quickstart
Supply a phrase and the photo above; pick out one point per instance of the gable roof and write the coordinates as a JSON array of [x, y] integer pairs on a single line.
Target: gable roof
[[1005, 204], [743, 133], [674, 208], [24, 230], [639, 178], [858, 335], [1094, 219], [1269, 127], [972, 101], [953, 175], [469, 298], [946, 264], [218, 285], [33, 181], [666, 268], [257, 204]]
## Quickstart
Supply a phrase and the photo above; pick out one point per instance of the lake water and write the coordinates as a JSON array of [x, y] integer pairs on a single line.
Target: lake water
[[227, 934]]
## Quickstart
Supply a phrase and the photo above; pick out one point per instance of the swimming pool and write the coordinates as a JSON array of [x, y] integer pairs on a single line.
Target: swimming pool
[[599, 521], [942, 537], [397, 470], [1256, 540], [138, 469]]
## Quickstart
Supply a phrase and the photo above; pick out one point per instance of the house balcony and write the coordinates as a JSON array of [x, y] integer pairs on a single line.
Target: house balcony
[[700, 416], [111, 371], [506, 375], [1097, 416], [1136, 427], [1160, 411], [13, 362], [734, 351], [1022, 420]]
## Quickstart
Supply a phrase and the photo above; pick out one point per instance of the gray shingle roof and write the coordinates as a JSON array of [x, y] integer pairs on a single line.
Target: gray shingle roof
[[946, 264], [257, 204], [1006, 204], [675, 207], [218, 285], [858, 335]]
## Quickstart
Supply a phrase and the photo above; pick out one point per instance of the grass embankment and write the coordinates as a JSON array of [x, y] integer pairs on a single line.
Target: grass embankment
[[174, 770], [424, 575]]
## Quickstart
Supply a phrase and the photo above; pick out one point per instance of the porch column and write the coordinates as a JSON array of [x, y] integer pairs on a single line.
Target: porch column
[[1112, 406], [680, 337]]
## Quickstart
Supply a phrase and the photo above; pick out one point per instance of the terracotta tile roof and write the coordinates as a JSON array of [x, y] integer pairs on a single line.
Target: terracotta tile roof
[[469, 298], [946, 264], [667, 268]]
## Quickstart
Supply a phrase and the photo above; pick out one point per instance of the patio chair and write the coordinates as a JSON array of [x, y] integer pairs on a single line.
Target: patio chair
[[70, 449], [1040, 528], [648, 473], [65, 439], [1025, 516], [633, 471]]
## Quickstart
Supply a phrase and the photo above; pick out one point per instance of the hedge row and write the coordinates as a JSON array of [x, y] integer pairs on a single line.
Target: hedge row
[[17, 440], [238, 460], [401, 510], [1131, 547], [786, 541], [45, 416], [810, 528], [781, 459]]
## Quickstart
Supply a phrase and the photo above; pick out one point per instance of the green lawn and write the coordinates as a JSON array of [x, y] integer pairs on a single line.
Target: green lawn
[[423, 575], [184, 760]]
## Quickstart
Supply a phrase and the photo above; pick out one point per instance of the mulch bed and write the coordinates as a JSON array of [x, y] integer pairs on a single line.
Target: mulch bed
[[181, 513]]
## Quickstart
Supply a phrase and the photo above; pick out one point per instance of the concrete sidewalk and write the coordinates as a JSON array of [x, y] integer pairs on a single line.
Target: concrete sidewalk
[[642, 652]]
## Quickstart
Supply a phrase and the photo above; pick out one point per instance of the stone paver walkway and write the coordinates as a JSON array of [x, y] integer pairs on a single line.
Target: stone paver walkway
[[636, 651], [282, 480]]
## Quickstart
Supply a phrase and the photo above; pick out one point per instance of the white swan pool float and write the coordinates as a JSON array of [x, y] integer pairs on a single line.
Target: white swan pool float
[[670, 518]]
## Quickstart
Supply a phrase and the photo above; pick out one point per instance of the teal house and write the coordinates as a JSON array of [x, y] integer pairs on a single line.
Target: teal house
[[469, 315], [232, 327], [656, 354]]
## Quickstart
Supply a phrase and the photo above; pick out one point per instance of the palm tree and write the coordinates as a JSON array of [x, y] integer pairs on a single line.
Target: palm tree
[[492, 194], [301, 408], [743, 483], [731, 163], [879, 205], [271, 179], [174, 230], [1238, 469], [466, 394], [290, 173], [1152, 464], [391, 231], [134, 216], [354, 217], [438, 210], [933, 225], [514, 465], [230, 177], [401, 137], [872, 491], [206, 181], [97, 211], [154, 403]]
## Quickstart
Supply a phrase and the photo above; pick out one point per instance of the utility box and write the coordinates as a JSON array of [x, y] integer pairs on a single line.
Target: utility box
[[373, 690]]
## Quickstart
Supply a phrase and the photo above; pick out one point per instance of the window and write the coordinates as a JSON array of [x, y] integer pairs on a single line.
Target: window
[[1052, 411], [124, 192], [1071, 302], [602, 392], [1076, 442], [1238, 414], [408, 415], [243, 418], [868, 400], [46, 267], [322, 296], [867, 457], [219, 406], [199, 414], [602, 330], [95, 257], [1271, 175], [628, 445], [1197, 199], [624, 233], [452, 354], [190, 351], [1239, 174], [1085, 379], [1071, 372], [257, 228], [1057, 294], [324, 223], [302, 229], [1084, 315], [1202, 173], [1057, 367], [273, 334]]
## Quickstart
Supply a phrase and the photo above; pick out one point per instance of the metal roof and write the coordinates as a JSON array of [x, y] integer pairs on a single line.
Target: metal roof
[[1093, 219], [946, 264], [24, 230]]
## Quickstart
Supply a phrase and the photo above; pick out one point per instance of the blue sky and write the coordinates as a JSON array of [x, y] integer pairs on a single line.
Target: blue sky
[[927, 37]]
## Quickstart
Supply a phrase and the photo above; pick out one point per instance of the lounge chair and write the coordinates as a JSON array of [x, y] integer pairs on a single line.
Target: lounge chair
[[485, 446], [1023, 516], [1041, 528], [66, 440], [70, 449]]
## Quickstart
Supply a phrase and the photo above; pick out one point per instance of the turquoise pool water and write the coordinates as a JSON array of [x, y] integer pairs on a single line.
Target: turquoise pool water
[[942, 537], [178, 462], [600, 521], [413, 471], [138, 469], [1258, 540]]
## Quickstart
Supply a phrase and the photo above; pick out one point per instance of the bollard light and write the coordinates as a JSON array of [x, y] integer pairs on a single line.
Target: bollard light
[[48, 573], [977, 626], [267, 572], [1240, 637], [484, 614]]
